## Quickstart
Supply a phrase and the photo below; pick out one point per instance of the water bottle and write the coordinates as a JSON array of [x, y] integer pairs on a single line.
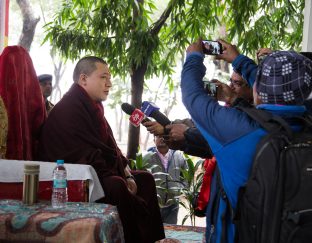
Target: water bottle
[[59, 193]]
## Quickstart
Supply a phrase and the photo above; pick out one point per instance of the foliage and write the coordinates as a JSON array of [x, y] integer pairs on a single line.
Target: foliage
[[194, 178], [109, 29], [140, 163], [140, 39], [277, 24]]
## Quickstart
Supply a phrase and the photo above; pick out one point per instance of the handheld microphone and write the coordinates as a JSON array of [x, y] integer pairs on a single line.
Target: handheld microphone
[[136, 115], [151, 110]]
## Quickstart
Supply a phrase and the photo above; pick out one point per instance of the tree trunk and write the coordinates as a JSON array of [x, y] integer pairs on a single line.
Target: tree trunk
[[137, 81], [29, 24]]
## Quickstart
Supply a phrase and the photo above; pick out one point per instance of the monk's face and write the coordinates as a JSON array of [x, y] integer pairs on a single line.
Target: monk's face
[[98, 83]]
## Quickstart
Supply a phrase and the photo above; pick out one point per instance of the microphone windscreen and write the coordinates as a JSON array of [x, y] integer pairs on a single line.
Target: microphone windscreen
[[127, 108]]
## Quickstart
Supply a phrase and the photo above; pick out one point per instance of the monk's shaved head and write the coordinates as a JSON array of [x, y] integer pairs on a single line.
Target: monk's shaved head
[[86, 66]]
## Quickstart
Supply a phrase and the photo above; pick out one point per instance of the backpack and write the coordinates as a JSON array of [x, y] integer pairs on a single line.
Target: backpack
[[275, 205]]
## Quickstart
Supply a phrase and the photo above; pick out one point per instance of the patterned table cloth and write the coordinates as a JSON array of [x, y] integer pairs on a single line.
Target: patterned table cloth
[[78, 222], [183, 234]]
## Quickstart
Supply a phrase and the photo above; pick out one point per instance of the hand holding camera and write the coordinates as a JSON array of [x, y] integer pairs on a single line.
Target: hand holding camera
[[211, 87], [229, 53], [220, 91]]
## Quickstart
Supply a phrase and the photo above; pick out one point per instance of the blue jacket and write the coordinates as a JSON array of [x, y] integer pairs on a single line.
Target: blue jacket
[[231, 134], [246, 67]]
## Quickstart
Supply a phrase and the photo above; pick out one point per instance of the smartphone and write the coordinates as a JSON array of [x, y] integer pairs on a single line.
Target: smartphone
[[212, 47], [211, 88], [261, 58]]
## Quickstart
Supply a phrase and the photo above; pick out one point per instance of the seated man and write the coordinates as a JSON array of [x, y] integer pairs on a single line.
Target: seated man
[[77, 131]]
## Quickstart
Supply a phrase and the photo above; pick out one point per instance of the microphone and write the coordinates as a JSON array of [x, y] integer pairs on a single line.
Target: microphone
[[152, 110], [136, 115]]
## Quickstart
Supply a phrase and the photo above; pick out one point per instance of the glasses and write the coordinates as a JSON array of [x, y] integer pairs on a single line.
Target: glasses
[[237, 83]]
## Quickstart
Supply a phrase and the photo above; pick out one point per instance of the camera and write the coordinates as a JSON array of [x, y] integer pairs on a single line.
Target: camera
[[261, 58], [212, 47], [211, 88]]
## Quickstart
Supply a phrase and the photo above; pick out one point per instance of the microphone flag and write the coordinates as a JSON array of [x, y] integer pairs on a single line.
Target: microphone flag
[[148, 108], [136, 117]]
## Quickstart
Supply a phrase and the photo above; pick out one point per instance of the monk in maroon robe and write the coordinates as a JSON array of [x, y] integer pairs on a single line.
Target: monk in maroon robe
[[77, 131], [22, 97]]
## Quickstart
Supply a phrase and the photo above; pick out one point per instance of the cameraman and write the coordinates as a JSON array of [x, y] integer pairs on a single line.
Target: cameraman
[[228, 130]]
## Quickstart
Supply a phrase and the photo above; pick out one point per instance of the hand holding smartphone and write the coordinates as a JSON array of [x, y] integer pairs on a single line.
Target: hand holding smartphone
[[211, 88], [212, 47]]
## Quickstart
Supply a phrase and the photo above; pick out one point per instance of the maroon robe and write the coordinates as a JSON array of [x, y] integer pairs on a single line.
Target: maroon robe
[[21, 94], [77, 132]]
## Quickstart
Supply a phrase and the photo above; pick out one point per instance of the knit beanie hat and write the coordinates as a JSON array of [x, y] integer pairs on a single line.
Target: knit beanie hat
[[284, 77]]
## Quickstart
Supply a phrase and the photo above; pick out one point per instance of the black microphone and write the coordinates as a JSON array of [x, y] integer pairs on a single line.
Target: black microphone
[[152, 110], [129, 109]]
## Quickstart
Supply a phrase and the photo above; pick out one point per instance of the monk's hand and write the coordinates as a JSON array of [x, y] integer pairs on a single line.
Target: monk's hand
[[132, 186]]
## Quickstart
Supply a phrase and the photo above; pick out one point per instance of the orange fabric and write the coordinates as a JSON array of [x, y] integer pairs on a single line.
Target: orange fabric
[[21, 94], [204, 194]]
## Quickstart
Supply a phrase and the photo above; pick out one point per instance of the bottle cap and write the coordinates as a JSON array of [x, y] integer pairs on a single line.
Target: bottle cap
[[31, 169], [60, 161]]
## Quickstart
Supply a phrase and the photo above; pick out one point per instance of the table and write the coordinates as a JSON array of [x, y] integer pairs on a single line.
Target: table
[[13, 171], [181, 234], [78, 222]]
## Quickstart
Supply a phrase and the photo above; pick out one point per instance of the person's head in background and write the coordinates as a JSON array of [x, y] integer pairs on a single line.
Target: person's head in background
[[93, 75], [45, 81], [283, 78], [161, 146], [240, 87]]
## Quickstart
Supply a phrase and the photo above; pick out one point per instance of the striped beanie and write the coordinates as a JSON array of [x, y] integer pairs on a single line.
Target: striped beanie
[[285, 78]]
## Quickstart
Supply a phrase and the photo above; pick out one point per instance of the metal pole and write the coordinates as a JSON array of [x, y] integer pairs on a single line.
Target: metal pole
[[4, 23]]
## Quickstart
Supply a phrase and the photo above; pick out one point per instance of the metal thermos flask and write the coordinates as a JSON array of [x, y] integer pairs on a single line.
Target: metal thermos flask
[[31, 183]]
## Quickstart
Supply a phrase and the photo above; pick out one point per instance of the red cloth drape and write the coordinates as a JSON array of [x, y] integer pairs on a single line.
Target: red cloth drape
[[204, 194], [20, 91]]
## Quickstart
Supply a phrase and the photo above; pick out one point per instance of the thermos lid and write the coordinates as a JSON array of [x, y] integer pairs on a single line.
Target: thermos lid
[[60, 161], [31, 169]]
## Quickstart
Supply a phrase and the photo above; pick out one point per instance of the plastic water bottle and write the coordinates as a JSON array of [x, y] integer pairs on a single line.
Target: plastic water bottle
[[59, 193]]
